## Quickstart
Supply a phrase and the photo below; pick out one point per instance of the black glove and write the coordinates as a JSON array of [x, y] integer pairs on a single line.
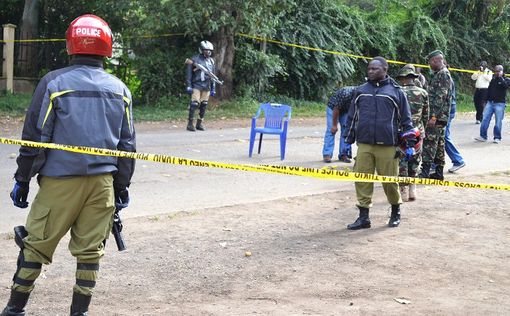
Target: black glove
[[19, 194], [410, 143], [121, 198]]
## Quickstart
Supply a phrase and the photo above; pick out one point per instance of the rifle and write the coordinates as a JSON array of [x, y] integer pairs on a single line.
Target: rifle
[[117, 231], [206, 71]]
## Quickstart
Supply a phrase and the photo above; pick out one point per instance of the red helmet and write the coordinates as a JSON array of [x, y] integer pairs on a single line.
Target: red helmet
[[89, 35], [412, 138]]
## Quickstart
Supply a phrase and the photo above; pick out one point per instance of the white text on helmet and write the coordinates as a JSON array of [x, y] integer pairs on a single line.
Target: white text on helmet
[[88, 31]]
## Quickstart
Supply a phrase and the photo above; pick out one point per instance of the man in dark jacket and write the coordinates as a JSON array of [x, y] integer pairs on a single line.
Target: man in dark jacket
[[80, 105], [496, 103], [378, 113]]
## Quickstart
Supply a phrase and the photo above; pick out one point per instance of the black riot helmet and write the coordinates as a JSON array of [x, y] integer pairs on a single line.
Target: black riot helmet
[[206, 48]]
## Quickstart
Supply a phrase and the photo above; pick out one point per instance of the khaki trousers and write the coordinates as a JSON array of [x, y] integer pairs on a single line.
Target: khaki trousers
[[380, 158], [82, 205]]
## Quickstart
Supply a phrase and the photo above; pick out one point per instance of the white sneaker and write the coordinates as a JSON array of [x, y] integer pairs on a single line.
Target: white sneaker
[[456, 167], [412, 192], [496, 141], [480, 139], [404, 193]]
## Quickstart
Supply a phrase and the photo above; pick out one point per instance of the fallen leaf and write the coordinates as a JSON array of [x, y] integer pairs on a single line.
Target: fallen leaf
[[402, 300]]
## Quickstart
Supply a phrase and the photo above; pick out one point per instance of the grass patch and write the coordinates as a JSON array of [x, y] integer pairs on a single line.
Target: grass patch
[[465, 103], [14, 104], [176, 108]]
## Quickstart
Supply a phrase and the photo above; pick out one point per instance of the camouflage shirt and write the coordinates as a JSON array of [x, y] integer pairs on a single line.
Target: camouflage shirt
[[418, 100], [440, 96], [341, 99]]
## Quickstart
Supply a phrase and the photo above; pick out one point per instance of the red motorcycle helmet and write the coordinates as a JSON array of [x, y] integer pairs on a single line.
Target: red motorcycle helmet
[[89, 35]]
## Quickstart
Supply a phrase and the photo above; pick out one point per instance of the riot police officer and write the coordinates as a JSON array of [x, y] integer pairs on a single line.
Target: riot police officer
[[199, 83], [80, 105]]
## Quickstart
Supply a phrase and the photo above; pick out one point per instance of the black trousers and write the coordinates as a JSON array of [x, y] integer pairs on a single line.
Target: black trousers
[[480, 98]]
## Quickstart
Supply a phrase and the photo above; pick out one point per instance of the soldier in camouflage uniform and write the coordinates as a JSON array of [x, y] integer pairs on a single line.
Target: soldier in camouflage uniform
[[440, 100], [418, 100]]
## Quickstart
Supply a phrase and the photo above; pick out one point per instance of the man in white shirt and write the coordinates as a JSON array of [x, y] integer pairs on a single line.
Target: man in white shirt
[[483, 77]]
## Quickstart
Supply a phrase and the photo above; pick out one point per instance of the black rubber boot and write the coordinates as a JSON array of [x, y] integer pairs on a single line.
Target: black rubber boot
[[80, 305], [438, 175], [425, 171], [190, 126], [363, 221], [395, 216], [191, 115], [200, 127], [16, 305]]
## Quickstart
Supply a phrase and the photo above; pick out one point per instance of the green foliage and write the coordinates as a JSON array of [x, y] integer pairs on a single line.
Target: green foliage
[[253, 69], [319, 25], [406, 30], [11, 11], [14, 104]]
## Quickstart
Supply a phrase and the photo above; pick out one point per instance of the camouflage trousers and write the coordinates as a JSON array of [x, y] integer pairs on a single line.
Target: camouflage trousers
[[433, 146], [409, 168]]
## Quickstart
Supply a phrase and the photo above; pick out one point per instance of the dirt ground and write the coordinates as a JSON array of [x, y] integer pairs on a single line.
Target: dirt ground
[[293, 256]]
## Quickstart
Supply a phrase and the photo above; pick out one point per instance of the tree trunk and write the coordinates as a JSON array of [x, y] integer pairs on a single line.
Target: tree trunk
[[27, 56], [224, 52]]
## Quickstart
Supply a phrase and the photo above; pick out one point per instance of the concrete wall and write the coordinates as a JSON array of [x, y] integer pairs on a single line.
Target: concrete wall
[[20, 85]]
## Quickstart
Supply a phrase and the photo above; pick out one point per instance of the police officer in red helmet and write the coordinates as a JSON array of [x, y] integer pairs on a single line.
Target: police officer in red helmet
[[80, 105]]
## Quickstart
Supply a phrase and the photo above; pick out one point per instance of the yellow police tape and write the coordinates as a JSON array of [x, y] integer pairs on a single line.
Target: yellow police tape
[[39, 40], [260, 39], [323, 173], [268, 40]]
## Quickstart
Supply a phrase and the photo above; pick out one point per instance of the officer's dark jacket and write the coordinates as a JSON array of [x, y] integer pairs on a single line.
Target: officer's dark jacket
[[194, 75], [79, 105], [378, 112]]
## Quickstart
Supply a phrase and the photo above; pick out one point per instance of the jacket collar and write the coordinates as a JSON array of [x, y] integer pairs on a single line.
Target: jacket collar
[[382, 82], [87, 61]]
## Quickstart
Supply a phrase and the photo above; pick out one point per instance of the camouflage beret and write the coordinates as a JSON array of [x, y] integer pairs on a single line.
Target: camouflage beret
[[410, 66], [434, 54], [407, 71]]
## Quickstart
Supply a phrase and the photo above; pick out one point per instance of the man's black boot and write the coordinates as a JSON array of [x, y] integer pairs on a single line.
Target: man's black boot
[[80, 304], [16, 305], [190, 126], [395, 216], [191, 115], [438, 175], [200, 127], [425, 171], [362, 222]]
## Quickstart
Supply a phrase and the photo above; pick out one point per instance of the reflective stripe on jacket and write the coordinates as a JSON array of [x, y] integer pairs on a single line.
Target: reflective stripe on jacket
[[80, 105], [378, 113]]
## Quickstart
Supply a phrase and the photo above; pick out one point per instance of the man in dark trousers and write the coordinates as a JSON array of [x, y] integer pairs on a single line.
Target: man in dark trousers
[[378, 114], [482, 78], [80, 105]]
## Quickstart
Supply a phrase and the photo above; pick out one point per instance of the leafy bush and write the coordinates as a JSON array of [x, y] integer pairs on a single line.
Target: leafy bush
[[14, 104]]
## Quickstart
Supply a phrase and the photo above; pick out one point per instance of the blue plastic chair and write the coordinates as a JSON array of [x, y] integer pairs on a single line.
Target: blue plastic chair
[[277, 117]]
